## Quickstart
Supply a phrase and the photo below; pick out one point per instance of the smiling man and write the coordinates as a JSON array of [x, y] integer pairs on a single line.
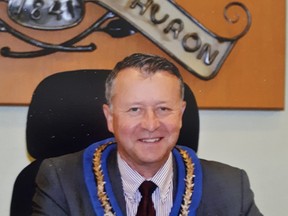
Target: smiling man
[[144, 112]]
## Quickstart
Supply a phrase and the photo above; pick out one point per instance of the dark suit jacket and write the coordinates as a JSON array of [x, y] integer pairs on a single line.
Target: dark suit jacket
[[61, 189]]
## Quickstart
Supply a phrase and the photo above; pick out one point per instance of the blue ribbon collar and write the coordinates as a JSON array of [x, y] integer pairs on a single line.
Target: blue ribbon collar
[[189, 187]]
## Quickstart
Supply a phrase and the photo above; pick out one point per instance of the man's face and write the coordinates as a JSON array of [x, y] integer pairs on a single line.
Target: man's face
[[145, 116]]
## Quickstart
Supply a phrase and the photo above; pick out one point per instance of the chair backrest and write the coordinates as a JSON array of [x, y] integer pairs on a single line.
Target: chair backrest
[[65, 115]]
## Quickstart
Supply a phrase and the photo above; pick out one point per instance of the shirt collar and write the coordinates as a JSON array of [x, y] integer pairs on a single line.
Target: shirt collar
[[131, 179]]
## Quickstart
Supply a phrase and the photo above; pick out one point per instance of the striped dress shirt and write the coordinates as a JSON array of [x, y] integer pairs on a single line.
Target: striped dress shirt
[[163, 195]]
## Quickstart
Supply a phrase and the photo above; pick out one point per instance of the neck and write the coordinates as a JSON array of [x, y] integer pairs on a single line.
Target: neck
[[145, 169]]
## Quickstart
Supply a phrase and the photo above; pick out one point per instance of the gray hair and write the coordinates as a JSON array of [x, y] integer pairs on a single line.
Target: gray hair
[[148, 65]]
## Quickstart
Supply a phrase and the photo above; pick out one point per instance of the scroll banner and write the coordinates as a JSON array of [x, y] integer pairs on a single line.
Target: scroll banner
[[179, 34], [164, 22]]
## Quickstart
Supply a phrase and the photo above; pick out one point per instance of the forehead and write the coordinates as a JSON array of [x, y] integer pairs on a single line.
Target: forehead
[[132, 75], [133, 83]]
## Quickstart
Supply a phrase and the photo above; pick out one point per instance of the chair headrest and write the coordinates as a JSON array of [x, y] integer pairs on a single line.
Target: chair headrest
[[65, 114]]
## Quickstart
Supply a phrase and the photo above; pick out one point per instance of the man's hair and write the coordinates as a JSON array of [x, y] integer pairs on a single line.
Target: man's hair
[[147, 65]]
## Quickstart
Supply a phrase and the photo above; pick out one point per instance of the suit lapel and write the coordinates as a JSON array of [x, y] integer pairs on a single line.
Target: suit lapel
[[115, 178]]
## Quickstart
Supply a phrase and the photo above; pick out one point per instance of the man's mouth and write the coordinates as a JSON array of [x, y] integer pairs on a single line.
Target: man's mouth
[[150, 140]]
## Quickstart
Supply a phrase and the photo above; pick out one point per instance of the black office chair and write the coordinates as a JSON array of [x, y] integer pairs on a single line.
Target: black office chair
[[65, 115]]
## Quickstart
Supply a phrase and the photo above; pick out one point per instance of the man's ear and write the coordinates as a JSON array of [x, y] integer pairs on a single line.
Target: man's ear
[[183, 106], [109, 117]]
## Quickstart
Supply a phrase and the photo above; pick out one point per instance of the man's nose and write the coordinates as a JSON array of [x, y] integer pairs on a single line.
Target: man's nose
[[150, 121]]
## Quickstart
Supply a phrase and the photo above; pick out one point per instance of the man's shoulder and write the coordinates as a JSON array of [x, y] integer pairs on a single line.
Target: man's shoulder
[[225, 190], [222, 178], [220, 172], [215, 166], [67, 169], [67, 161]]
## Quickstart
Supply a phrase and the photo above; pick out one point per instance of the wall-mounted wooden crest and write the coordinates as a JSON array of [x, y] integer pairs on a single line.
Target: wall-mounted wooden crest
[[42, 37]]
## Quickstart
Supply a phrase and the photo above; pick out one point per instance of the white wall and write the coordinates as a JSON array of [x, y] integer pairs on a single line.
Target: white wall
[[256, 141], [12, 151]]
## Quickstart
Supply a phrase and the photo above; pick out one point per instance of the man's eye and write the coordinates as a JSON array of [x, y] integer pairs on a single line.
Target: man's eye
[[164, 108], [134, 109], [163, 111]]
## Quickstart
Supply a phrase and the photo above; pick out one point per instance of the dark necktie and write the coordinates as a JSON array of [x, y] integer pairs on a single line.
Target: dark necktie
[[146, 207]]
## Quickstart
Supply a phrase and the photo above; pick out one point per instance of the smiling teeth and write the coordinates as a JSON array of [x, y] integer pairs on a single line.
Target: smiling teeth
[[151, 140]]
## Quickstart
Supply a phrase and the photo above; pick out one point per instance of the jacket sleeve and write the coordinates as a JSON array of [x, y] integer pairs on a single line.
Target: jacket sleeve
[[226, 191], [249, 207], [49, 197]]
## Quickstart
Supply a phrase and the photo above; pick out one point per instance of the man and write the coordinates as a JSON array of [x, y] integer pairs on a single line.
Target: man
[[144, 112]]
